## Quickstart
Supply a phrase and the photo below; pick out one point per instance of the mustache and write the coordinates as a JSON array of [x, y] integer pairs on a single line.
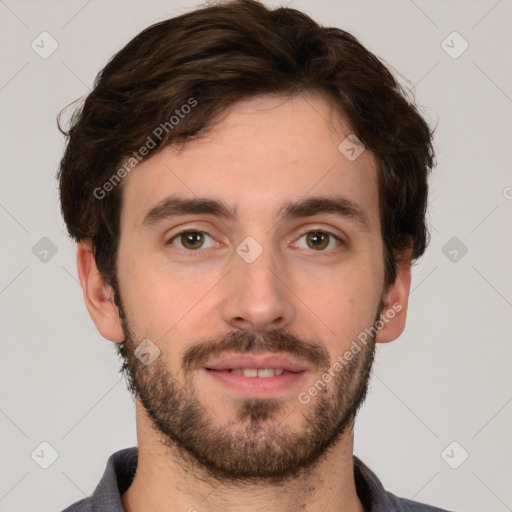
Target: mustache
[[245, 342]]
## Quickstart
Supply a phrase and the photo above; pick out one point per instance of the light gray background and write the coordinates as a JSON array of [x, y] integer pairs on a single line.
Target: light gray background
[[446, 379]]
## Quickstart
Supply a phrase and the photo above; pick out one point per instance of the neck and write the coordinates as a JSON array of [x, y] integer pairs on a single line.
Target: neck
[[166, 481]]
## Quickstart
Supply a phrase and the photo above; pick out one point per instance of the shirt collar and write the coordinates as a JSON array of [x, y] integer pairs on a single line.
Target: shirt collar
[[122, 465]]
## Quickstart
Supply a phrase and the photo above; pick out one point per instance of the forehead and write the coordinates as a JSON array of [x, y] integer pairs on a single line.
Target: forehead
[[261, 154]]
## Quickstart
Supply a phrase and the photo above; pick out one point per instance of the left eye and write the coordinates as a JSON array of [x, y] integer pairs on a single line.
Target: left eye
[[319, 240], [191, 240]]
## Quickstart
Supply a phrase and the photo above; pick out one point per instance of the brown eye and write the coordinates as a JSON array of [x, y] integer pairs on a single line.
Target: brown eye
[[319, 240], [190, 240]]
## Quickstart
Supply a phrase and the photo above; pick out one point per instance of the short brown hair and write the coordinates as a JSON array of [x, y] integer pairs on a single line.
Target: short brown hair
[[217, 56]]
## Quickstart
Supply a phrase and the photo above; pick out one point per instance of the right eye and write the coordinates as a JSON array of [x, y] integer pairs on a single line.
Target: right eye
[[190, 240]]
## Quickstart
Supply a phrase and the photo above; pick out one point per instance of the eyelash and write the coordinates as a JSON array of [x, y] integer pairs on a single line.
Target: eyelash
[[177, 235]]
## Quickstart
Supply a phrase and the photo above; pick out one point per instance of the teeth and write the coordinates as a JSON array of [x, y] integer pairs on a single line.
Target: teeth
[[266, 372], [262, 372]]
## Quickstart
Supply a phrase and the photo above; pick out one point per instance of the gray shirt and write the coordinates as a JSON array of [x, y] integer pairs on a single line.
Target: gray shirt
[[122, 465]]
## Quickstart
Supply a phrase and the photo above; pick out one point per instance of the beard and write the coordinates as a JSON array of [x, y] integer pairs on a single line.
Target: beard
[[255, 446]]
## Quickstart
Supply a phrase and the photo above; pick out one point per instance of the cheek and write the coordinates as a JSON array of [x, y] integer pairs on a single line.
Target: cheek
[[157, 305], [151, 303], [160, 305], [347, 305], [344, 301]]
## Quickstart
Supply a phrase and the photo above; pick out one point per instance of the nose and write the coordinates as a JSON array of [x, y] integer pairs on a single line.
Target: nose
[[257, 297]]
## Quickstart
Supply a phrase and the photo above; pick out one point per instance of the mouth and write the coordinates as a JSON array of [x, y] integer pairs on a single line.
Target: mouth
[[262, 373], [257, 375]]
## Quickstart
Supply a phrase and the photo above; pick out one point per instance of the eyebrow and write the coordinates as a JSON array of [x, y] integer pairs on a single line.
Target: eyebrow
[[176, 206]]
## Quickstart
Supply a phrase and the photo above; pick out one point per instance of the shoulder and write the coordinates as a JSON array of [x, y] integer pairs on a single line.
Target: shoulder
[[405, 505], [375, 498], [117, 477], [84, 505]]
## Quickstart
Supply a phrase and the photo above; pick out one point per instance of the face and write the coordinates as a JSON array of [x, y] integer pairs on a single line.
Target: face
[[252, 259]]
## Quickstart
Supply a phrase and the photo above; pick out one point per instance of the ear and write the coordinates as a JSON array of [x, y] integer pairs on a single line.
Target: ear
[[99, 296], [395, 302]]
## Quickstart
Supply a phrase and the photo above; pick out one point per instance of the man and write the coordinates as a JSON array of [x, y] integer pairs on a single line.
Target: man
[[248, 191]]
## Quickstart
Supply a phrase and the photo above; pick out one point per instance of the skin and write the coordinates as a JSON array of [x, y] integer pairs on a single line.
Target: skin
[[263, 153]]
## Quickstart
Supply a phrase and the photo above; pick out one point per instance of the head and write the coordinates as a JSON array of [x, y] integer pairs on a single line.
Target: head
[[218, 214]]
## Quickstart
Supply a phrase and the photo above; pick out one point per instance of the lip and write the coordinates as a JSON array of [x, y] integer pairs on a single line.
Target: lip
[[257, 387], [259, 362]]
